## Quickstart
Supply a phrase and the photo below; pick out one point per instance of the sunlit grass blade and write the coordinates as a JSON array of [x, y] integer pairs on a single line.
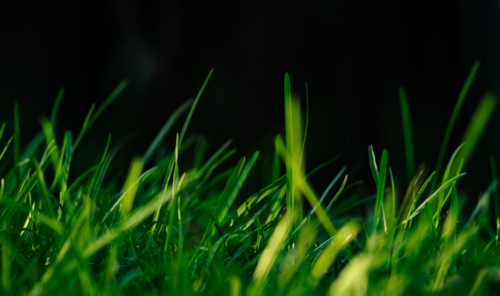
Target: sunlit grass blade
[[407, 132], [6, 146], [243, 176], [476, 128], [353, 280], [268, 257], [133, 175], [373, 164], [431, 198], [343, 237], [289, 153]]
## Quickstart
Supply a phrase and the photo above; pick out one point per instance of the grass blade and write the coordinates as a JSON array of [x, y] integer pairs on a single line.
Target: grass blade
[[453, 118], [407, 132]]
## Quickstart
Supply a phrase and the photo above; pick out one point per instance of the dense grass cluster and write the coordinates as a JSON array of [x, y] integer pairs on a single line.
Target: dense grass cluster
[[183, 233]]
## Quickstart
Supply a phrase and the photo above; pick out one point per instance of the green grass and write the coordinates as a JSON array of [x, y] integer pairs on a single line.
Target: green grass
[[189, 231]]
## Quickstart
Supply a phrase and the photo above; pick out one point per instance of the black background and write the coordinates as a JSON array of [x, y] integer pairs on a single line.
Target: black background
[[354, 56]]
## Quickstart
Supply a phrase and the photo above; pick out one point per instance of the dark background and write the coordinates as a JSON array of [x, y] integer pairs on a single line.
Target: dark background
[[354, 56]]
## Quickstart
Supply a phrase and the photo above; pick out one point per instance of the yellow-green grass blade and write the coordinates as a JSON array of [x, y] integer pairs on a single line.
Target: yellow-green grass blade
[[241, 180], [337, 194], [133, 175], [343, 237], [301, 184], [353, 280], [431, 198], [323, 196], [134, 218], [407, 132], [453, 118], [476, 128], [373, 164], [441, 199], [419, 193], [6, 146], [393, 212], [268, 257], [289, 153]]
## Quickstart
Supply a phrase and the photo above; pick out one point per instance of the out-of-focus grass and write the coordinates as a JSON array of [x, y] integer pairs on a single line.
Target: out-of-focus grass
[[182, 231]]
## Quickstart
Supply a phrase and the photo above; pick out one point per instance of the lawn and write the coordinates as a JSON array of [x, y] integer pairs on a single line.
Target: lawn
[[168, 228]]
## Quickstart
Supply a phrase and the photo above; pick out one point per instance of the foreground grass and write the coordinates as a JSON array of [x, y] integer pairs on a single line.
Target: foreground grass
[[181, 232]]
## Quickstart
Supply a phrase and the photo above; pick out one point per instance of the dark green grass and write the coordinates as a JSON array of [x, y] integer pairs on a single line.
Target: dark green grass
[[181, 231]]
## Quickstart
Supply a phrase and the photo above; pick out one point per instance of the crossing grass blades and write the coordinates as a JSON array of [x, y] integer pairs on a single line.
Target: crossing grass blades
[[186, 232]]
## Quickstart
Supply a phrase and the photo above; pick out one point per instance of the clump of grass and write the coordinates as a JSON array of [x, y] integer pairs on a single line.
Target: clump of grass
[[168, 230]]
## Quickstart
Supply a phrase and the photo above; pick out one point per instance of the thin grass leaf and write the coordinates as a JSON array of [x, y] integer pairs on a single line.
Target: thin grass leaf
[[55, 108], [407, 132], [484, 202], [476, 127], [373, 164], [380, 189], [165, 129], [191, 111], [453, 118], [289, 153], [431, 198], [243, 176]]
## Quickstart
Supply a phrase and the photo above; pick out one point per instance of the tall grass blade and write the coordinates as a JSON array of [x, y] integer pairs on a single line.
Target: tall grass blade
[[453, 118], [407, 132]]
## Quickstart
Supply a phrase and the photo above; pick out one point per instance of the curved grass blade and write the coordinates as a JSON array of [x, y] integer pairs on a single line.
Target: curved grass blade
[[433, 196], [453, 118], [476, 128]]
